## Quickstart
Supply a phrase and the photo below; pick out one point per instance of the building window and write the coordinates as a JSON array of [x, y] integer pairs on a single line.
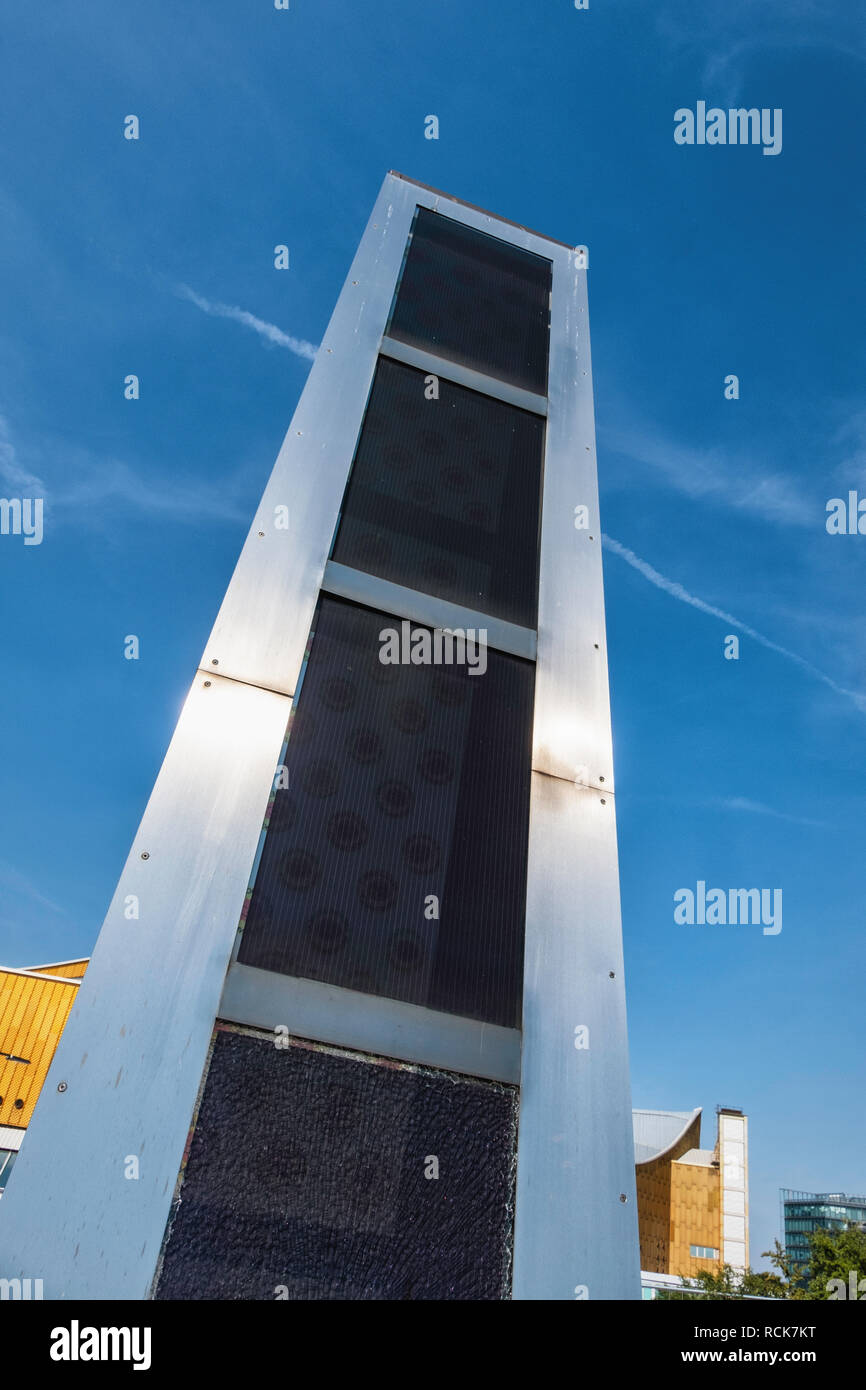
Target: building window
[[7, 1159], [703, 1252], [476, 300]]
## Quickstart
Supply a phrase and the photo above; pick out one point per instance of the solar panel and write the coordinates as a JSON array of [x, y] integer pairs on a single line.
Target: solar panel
[[476, 300], [444, 495], [314, 1175], [394, 860]]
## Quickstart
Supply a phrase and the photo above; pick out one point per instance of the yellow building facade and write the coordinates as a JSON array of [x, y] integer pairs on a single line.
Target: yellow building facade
[[34, 1007], [692, 1202]]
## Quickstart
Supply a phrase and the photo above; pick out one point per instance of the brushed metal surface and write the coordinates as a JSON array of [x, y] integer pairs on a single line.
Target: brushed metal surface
[[135, 1045], [506, 222], [575, 1157], [277, 578], [471, 216], [400, 602], [279, 572], [463, 376], [384, 1027], [572, 735]]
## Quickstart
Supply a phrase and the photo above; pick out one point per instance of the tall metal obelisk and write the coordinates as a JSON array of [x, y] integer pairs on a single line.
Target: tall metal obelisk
[[366, 1036]]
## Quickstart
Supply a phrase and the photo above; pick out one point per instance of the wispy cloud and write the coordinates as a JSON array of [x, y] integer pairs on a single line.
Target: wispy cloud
[[269, 331], [676, 590], [102, 482], [726, 67], [850, 438], [740, 805], [732, 36], [757, 808], [89, 487], [708, 474], [14, 882], [20, 480]]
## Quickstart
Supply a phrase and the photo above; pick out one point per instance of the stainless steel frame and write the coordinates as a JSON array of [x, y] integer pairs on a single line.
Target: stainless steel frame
[[132, 1055], [400, 602], [576, 1218], [463, 376], [369, 1023]]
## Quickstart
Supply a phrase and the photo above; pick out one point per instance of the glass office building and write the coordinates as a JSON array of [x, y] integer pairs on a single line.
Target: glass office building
[[805, 1212]]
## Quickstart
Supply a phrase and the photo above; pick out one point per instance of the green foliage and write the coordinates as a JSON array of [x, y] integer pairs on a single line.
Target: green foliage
[[726, 1283], [833, 1256]]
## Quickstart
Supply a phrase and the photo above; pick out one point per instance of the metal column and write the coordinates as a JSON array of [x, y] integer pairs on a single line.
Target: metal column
[[126, 1075]]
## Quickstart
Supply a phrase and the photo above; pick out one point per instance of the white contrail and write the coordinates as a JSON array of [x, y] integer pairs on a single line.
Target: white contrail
[[670, 586], [757, 808], [298, 346]]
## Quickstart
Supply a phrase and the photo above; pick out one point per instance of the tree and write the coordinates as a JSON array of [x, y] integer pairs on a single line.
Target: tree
[[727, 1283], [837, 1263], [836, 1258]]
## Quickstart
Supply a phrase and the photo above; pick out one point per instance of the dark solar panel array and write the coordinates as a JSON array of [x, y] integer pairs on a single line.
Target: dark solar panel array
[[444, 495], [310, 1178], [476, 300], [395, 860]]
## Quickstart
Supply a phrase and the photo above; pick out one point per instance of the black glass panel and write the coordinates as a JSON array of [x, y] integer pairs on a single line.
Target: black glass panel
[[444, 495], [476, 300], [395, 860], [310, 1178]]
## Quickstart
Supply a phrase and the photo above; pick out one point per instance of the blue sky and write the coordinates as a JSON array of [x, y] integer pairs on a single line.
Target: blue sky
[[260, 127]]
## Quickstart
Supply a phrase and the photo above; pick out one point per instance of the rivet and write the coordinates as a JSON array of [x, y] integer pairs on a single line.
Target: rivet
[[622, 1197], [595, 644], [206, 684], [603, 802], [61, 1086], [216, 663], [261, 533], [601, 779], [612, 974], [144, 854]]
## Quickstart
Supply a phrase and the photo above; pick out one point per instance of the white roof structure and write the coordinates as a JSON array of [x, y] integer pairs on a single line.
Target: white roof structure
[[656, 1131]]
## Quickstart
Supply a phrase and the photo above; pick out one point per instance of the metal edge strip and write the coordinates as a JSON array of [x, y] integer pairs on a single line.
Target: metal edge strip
[[369, 1023]]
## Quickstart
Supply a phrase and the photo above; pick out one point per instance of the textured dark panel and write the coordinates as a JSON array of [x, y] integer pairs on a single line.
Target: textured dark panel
[[475, 299], [405, 782], [307, 1171], [444, 495]]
